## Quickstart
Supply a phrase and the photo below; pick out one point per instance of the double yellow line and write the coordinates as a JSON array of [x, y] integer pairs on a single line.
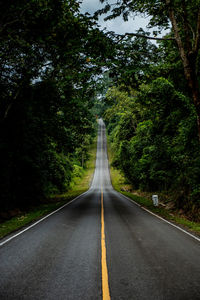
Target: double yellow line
[[104, 269], [105, 285]]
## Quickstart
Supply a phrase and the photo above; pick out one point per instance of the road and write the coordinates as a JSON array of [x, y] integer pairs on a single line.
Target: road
[[101, 245]]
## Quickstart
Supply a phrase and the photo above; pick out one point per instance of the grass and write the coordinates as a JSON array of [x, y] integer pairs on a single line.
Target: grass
[[119, 184], [79, 185]]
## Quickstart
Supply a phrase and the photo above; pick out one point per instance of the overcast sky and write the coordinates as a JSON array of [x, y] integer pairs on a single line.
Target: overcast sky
[[117, 25]]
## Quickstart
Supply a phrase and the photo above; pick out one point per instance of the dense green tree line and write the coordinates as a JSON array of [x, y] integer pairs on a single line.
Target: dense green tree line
[[50, 54], [152, 107], [154, 135], [51, 62], [183, 17], [152, 127]]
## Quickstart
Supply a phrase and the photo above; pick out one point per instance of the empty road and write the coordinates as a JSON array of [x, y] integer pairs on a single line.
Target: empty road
[[100, 246]]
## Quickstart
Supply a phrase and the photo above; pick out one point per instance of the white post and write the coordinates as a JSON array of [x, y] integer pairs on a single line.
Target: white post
[[155, 200]]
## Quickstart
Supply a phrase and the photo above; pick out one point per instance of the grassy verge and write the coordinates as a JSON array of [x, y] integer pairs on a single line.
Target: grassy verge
[[119, 183], [78, 186]]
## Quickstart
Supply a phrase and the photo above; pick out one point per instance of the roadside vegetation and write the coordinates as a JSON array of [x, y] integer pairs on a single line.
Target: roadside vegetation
[[154, 136], [151, 106], [47, 88], [80, 183], [166, 208], [60, 71]]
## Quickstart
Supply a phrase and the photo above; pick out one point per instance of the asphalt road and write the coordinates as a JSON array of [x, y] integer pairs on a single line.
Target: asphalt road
[[61, 257]]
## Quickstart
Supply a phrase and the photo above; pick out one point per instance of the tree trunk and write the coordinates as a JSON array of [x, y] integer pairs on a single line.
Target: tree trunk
[[196, 99], [193, 85], [189, 59]]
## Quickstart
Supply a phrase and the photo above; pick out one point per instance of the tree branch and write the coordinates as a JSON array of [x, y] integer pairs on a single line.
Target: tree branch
[[177, 35], [10, 105], [186, 26], [193, 33], [197, 40], [144, 36], [13, 21]]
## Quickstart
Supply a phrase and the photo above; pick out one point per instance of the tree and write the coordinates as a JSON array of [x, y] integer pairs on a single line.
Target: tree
[[50, 54], [153, 136], [184, 17]]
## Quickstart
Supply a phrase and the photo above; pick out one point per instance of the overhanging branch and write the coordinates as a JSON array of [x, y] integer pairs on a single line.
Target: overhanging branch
[[197, 41], [144, 36]]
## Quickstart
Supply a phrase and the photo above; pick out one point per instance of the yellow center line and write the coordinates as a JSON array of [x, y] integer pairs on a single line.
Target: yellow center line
[[105, 285]]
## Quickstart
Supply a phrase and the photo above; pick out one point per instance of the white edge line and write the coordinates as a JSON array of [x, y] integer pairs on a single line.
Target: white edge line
[[150, 212], [34, 224]]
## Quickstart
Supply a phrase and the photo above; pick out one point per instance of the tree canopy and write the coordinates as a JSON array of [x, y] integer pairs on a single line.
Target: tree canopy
[[183, 17], [58, 71], [151, 109], [50, 55]]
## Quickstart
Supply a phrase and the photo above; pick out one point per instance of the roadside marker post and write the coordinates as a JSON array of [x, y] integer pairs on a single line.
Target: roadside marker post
[[155, 200]]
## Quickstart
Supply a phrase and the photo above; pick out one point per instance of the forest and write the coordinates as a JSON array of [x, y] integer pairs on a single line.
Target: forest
[[60, 70]]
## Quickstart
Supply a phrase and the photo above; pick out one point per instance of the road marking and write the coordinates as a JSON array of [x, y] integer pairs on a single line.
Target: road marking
[[150, 212], [29, 227], [105, 285]]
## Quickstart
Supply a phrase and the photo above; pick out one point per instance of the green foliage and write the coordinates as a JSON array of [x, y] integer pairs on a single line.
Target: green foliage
[[155, 140], [132, 59], [119, 183], [50, 54], [185, 31], [56, 67], [154, 129], [81, 180]]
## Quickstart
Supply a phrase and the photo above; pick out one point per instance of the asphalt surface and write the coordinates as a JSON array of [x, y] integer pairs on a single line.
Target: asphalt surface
[[60, 258]]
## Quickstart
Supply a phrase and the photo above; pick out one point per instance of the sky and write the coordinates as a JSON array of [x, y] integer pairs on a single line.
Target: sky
[[117, 25]]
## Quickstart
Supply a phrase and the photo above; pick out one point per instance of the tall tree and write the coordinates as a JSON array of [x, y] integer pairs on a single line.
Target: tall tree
[[49, 56], [184, 17]]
